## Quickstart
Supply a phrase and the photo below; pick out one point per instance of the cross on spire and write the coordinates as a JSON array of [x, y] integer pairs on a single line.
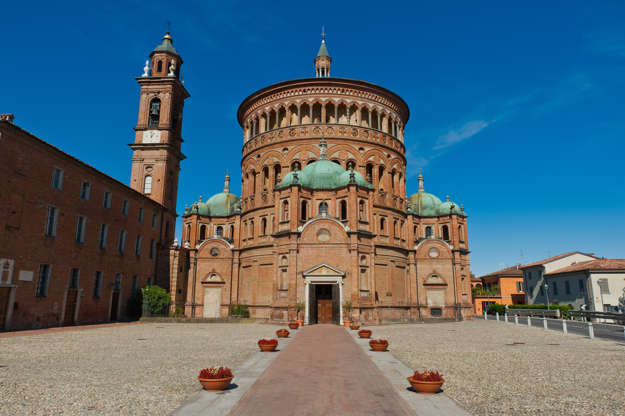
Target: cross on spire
[[323, 34]]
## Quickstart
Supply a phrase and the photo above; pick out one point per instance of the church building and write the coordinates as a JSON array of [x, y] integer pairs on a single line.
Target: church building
[[323, 218]]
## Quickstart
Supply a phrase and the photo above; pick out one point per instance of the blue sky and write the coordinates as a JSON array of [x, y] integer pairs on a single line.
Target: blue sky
[[516, 111]]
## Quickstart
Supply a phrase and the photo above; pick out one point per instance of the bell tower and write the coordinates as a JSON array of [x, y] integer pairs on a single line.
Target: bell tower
[[323, 59], [157, 146]]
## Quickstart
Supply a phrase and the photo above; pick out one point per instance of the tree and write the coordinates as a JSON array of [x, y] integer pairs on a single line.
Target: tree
[[156, 299]]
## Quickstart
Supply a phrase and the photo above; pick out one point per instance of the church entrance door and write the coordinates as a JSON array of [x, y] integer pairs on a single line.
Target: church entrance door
[[323, 294]]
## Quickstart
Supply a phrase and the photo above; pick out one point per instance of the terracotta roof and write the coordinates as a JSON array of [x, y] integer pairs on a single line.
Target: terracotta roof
[[508, 271], [554, 258], [598, 264], [476, 279]]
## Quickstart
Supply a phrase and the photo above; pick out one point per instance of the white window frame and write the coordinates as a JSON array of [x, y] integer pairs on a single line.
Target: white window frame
[[147, 184]]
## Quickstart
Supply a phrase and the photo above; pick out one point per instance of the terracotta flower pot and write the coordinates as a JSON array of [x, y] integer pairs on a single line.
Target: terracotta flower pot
[[376, 346], [426, 387], [354, 326], [293, 325], [364, 333], [268, 347], [215, 384], [300, 322], [282, 333], [347, 323]]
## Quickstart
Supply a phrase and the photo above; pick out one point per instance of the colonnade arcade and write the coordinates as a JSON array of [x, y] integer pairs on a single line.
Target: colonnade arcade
[[324, 113]]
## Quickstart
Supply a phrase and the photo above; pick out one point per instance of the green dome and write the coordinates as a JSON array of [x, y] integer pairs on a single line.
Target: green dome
[[449, 207], [289, 179], [424, 204], [223, 204], [358, 179], [322, 174]]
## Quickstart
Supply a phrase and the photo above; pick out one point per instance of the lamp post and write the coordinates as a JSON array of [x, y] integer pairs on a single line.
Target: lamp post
[[547, 292]]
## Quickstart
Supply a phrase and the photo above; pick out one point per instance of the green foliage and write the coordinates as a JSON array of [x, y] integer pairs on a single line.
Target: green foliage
[[177, 312], [564, 309], [237, 309], [156, 299], [486, 291], [347, 306], [299, 306]]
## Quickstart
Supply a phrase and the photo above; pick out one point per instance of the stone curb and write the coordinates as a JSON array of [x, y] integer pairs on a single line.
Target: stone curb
[[207, 403], [396, 372]]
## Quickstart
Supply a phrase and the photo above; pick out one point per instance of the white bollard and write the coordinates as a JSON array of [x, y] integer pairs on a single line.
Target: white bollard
[[529, 320], [545, 322], [564, 330], [516, 319], [505, 317], [591, 331], [485, 316], [497, 315]]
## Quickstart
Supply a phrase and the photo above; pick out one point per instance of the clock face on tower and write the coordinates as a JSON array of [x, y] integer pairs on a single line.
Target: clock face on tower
[[152, 136]]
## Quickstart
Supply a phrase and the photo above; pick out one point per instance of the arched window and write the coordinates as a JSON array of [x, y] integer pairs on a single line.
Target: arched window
[[295, 166], [159, 66], [445, 233], [277, 169], [147, 184], [343, 207], [188, 232], [202, 233], [232, 231], [323, 208], [416, 233], [393, 182], [265, 178], [369, 173], [304, 211], [254, 182], [155, 112], [285, 210], [382, 225], [263, 226], [428, 231], [395, 229], [362, 213], [460, 236], [251, 228], [219, 232]]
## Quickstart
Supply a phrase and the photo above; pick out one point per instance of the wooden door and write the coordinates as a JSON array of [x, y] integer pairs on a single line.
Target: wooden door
[[324, 311], [114, 305], [70, 306], [4, 303]]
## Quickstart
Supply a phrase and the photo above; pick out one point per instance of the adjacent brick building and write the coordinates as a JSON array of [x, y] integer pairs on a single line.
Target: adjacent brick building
[[75, 243], [323, 217]]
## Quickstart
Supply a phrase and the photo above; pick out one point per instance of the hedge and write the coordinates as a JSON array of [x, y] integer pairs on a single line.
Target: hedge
[[237, 309], [564, 309]]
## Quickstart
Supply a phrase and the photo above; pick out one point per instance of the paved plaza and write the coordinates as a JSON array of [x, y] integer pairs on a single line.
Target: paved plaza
[[491, 369]]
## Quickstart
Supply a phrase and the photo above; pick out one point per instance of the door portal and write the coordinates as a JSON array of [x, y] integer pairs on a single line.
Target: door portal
[[325, 309]]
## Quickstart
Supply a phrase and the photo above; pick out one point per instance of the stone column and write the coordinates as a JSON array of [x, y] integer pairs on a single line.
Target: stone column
[[341, 302], [307, 303]]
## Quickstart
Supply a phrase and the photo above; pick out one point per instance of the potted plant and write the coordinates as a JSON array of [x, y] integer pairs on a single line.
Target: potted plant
[[354, 326], [214, 378], [293, 325], [282, 333], [347, 307], [364, 333], [428, 382], [299, 306], [267, 345], [378, 344]]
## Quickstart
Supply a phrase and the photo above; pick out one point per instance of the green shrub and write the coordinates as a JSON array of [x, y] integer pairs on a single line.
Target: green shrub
[[237, 309], [564, 309], [177, 312], [156, 299]]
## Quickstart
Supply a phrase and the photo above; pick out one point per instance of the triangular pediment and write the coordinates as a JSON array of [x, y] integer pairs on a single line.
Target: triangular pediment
[[323, 270]]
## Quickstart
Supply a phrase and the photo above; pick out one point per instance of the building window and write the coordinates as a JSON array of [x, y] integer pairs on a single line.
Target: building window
[[43, 282], [285, 210], [97, 284], [57, 178], [445, 233], [382, 225], [202, 232], [252, 229], [107, 200], [152, 248], [519, 286], [232, 231], [343, 208], [138, 246], [361, 210], [104, 229], [580, 284], [74, 278], [155, 109], [567, 287], [80, 229], [220, 231], [428, 232], [85, 190], [304, 211], [154, 220], [121, 244], [555, 287], [117, 286], [263, 226], [323, 208], [125, 207], [542, 292], [135, 285], [147, 184], [52, 218], [140, 214]]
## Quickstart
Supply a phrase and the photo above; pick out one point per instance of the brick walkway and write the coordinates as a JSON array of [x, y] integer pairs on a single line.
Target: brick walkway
[[54, 329], [322, 372]]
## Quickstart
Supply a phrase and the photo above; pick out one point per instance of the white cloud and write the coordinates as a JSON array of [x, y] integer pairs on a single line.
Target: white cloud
[[466, 131]]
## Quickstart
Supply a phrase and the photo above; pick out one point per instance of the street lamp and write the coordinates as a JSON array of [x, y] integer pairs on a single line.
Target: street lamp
[[547, 292]]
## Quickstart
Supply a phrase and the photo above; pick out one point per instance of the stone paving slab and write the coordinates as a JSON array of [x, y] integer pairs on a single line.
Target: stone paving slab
[[208, 403], [397, 372], [322, 372]]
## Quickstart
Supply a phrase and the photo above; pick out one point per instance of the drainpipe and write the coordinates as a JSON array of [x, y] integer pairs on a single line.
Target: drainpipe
[[453, 271]]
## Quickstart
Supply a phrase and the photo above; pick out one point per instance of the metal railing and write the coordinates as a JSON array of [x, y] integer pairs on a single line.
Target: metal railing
[[617, 318]]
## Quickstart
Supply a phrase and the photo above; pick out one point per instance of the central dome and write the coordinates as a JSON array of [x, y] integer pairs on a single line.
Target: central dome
[[322, 174]]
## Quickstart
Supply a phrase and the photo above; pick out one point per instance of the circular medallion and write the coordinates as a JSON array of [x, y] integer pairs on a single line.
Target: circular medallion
[[214, 251], [323, 235], [433, 252]]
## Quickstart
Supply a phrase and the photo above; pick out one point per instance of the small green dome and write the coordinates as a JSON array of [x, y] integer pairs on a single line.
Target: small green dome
[[322, 174], [289, 179], [424, 204], [223, 204], [344, 178], [449, 207]]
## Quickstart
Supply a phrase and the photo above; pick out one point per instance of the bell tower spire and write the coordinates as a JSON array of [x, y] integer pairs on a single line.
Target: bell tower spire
[[323, 59], [157, 148]]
